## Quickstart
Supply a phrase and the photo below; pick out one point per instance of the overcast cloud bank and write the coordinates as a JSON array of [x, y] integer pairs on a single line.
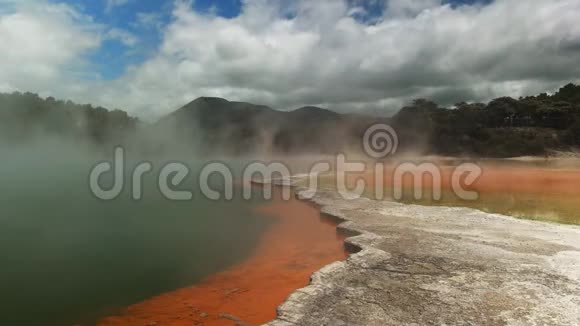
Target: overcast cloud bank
[[288, 54]]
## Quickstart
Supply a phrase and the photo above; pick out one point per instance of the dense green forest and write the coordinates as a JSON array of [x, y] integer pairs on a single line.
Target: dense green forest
[[504, 127], [535, 125], [27, 117]]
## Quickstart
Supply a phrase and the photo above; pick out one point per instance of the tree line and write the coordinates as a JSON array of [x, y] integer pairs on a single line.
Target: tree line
[[27, 116], [533, 125]]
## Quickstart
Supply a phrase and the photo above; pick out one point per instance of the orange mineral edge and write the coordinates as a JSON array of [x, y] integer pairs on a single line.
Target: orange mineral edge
[[298, 244]]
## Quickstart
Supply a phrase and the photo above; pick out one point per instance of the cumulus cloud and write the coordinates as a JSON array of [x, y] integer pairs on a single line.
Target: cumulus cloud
[[315, 52], [398, 8], [40, 43], [305, 52], [149, 20], [123, 36], [111, 4]]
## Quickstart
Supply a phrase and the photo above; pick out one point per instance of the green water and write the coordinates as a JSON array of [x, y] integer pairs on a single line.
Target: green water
[[69, 258]]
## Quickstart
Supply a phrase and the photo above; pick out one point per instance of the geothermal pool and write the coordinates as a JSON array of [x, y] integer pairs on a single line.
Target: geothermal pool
[[300, 242], [528, 191], [72, 259], [69, 258], [545, 191]]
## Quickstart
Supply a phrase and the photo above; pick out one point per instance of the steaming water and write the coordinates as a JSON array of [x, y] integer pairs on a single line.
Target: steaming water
[[69, 258]]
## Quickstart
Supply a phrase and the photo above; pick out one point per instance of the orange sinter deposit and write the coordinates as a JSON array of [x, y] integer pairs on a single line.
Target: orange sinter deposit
[[529, 180], [494, 178], [298, 244]]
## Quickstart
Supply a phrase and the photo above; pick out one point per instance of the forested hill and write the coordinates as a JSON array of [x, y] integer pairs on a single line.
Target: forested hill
[[504, 127], [243, 128], [26, 117]]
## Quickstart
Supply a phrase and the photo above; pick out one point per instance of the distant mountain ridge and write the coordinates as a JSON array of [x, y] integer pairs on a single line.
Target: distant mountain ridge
[[504, 127], [240, 127]]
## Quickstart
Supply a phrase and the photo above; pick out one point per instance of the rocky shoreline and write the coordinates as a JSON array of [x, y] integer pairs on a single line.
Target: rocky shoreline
[[416, 265]]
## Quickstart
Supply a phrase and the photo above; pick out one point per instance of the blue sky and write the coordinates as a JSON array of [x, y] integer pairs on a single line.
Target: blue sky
[[113, 57]]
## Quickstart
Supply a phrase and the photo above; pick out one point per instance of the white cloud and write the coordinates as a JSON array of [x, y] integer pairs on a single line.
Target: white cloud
[[292, 53], [40, 43], [123, 36], [149, 20], [112, 4], [404, 8], [324, 56]]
